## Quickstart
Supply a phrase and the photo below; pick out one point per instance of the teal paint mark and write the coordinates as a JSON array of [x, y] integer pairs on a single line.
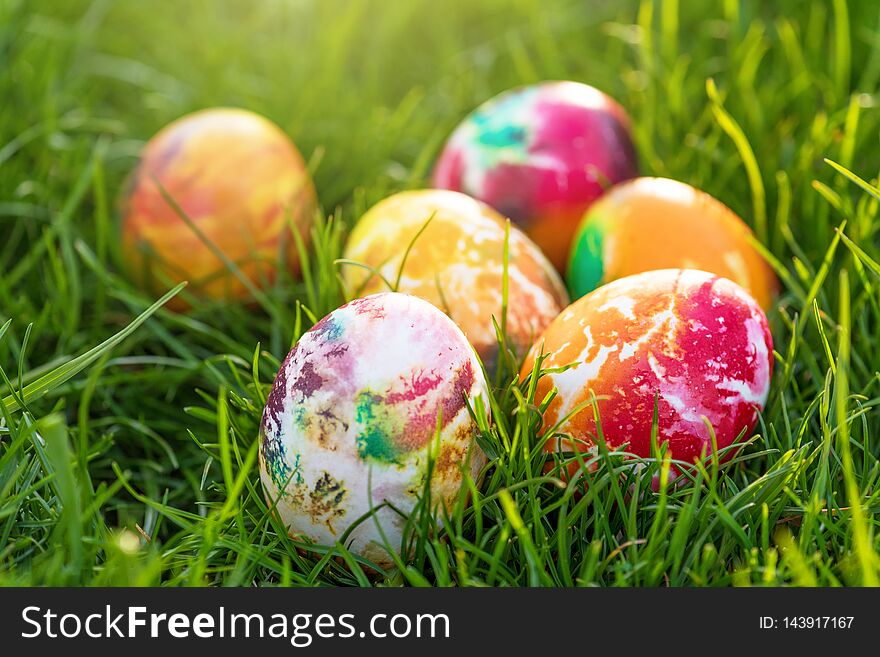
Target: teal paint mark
[[504, 137], [379, 426], [498, 130], [329, 329], [282, 473], [276, 459], [300, 417], [296, 469], [585, 266]]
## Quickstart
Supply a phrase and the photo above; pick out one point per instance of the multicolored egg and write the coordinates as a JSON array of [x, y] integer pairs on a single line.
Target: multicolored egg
[[457, 264], [657, 223], [240, 180], [696, 342], [541, 155], [352, 418]]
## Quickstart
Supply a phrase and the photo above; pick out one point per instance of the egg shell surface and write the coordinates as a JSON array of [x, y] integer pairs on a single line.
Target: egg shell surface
[[356, 404], [696, 341], [657, 223], [236, 176], [457, 263], [541, 154]]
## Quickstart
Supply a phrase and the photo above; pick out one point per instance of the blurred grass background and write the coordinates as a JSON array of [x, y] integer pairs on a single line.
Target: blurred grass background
[[368, 90]]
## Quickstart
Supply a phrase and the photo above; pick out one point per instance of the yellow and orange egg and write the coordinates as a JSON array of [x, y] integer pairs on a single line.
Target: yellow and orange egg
[[448, 249], [224, 181]]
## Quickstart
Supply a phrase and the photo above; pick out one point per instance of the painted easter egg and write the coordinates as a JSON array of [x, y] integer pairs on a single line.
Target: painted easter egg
[[541, 155], [457, 263], [352, 418], [242, 184], [657, 223], [696, 342]]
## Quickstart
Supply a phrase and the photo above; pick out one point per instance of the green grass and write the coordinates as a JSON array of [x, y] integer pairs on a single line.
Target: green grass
[[135, 463]]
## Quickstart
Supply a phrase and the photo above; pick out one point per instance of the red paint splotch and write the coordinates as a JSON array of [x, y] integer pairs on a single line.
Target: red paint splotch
[[372, 307], [418, 385], [421, 408]]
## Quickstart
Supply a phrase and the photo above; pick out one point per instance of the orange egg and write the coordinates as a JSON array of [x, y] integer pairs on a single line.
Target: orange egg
[[456, 263], [241, 182], [657, 223]]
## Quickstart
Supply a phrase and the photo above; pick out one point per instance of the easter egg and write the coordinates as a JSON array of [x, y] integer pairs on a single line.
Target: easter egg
[[457, 263], [242, 184], [541, 155], [697, 343], [352, 421], [657, 223]]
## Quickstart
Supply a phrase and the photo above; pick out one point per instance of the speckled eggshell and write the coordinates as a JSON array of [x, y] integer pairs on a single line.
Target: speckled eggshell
[[697, 341], [541, 154], [657, 223], [457, 264], [240, 179], [358, 397]]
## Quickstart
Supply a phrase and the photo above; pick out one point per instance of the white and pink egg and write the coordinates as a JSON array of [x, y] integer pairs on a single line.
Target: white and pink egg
[[365, 400]]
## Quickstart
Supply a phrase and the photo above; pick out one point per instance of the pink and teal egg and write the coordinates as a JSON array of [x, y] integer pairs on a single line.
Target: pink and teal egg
[[541, 155], [365, 400]]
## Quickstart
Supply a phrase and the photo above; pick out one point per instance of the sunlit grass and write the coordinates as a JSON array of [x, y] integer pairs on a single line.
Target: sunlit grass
[[128, 432]]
